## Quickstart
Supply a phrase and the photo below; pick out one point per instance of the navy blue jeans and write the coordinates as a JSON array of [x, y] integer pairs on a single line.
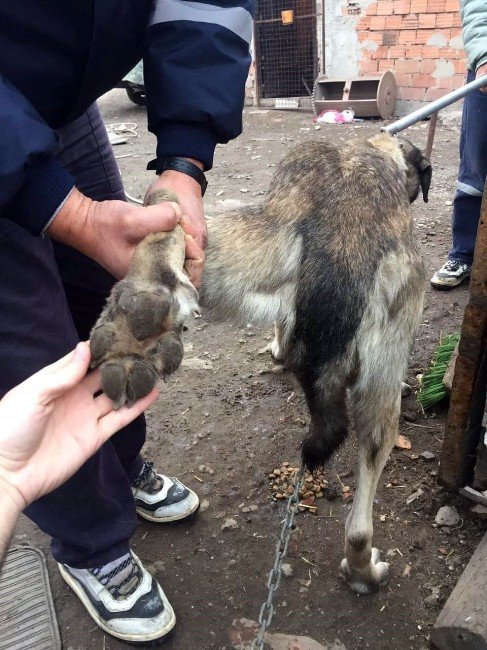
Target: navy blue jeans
[[471, 176], [50, 297]]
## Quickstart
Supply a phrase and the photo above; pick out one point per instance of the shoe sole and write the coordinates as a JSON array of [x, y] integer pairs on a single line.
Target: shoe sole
[[447, 287], [169, 520], [136, 639]]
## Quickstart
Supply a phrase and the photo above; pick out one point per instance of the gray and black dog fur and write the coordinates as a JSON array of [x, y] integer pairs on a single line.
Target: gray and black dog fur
[[330, 257]]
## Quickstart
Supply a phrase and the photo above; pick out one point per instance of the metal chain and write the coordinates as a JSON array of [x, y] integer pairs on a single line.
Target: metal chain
[[267, 609]]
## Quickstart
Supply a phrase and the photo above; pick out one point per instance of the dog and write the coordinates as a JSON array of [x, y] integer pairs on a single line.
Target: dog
[[330, 257]]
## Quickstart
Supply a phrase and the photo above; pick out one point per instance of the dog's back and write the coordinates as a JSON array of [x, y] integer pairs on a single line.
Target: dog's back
[[330, 256]]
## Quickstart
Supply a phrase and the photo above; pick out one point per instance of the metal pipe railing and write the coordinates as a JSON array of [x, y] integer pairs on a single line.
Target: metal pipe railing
[[433, 107]]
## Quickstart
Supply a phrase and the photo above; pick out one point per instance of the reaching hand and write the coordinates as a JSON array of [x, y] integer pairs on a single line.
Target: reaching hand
[[52, 423], [193, 220], [109, 231]]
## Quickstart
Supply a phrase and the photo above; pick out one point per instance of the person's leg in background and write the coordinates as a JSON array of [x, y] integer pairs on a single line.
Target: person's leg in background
[[468, 197]]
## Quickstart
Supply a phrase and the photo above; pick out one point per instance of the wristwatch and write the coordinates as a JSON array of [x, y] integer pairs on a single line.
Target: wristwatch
[[178, 164]]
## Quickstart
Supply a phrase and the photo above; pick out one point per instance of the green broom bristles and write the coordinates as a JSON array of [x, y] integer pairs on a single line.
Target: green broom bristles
[[432, 390]]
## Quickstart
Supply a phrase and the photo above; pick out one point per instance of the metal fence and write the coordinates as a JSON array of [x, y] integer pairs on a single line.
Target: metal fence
[[286, 48]]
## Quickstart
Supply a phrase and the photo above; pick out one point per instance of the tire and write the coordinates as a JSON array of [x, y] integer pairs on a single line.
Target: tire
[[136, 96]]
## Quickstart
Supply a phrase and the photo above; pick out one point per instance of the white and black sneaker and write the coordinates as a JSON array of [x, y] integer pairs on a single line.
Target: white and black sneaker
[[451, 275], [123, 599], [162, 499]]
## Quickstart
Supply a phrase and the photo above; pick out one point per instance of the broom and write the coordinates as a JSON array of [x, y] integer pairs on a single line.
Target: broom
[[431, 389]]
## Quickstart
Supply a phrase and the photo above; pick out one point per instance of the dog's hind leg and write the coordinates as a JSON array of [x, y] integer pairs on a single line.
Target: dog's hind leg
[[376, 420], [326, 397]]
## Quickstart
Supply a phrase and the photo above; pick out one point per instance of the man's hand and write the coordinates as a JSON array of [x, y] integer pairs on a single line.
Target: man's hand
[[193, 221], [52, 423], [480, 72], [109, 231]]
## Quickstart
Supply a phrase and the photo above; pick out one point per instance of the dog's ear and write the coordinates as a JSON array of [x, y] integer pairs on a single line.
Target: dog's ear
[[425, 172]]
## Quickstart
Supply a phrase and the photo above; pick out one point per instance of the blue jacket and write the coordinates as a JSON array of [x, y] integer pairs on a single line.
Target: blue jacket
[[58, 57]]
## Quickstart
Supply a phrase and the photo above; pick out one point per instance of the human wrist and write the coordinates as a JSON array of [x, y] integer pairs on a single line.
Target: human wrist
[[181, 182], [9, 511], [11, 501], [72, 224]]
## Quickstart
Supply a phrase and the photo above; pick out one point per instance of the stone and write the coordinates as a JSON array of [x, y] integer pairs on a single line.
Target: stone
[[480, 510], [433, 598], [204, 505], [243, 631], [195, 363], [427, 455], [287, 570], [447, 516], [229, 524]]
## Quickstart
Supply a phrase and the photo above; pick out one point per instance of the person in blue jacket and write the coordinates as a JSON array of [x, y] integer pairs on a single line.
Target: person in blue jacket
[[473, 153], [66, 235]]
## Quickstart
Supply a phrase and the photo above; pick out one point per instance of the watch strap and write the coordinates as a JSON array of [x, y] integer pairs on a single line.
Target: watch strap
[[178, 164]]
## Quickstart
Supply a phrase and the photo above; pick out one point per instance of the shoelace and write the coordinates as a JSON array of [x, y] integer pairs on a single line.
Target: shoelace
[[453, 265], [127, 586], [148, 480]]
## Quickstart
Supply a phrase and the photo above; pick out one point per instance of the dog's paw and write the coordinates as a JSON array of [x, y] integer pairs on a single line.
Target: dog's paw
[[137, 337], [369, 579], [125, 379], [276, 350]]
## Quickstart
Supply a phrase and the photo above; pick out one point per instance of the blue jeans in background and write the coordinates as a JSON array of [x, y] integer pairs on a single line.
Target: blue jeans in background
[[471, 176]]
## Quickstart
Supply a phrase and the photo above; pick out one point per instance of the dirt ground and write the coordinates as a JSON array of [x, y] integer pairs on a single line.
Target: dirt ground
[[223, 427]]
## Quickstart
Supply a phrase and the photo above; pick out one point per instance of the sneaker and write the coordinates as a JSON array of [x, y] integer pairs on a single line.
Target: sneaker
[[451, 274], [123, 599], [162, 499]]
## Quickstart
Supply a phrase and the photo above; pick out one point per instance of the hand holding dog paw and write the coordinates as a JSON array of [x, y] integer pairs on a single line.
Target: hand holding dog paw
[[109, 231], [188, 192]]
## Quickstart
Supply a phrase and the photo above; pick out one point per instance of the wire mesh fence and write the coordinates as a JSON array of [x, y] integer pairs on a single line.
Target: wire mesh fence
[[286, 47]]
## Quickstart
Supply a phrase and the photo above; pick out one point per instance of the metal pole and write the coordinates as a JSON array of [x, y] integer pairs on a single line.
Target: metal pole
[[433, 107], [431, 135]]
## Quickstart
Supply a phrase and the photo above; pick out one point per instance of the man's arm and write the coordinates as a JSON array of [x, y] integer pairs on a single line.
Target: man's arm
[[196, 63], [38, 194], [33, 183], [474, 22]]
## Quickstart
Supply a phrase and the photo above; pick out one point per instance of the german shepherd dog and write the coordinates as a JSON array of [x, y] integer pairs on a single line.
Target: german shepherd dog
[[330, 257]]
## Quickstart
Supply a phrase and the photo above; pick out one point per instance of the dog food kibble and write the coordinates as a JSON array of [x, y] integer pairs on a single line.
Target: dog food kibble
[[315, 486]]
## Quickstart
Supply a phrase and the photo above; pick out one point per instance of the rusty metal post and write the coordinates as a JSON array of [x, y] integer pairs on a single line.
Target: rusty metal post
[[431, 135], [468, 390]]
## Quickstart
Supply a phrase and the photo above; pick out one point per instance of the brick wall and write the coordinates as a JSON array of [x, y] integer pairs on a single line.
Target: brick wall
[[418, 40]]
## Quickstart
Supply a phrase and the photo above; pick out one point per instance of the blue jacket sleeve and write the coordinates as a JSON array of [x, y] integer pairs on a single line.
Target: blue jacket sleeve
[[196, 63], [33, 183]]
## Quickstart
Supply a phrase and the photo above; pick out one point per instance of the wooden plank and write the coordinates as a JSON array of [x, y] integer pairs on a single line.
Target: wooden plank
[[468, 391], [462, 623]]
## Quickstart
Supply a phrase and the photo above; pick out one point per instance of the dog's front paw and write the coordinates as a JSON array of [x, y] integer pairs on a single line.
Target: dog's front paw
[[127, 378], [137, 337], [369, 579]]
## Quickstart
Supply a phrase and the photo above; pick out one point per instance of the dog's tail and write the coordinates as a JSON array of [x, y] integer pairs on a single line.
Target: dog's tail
[[326, 397]]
